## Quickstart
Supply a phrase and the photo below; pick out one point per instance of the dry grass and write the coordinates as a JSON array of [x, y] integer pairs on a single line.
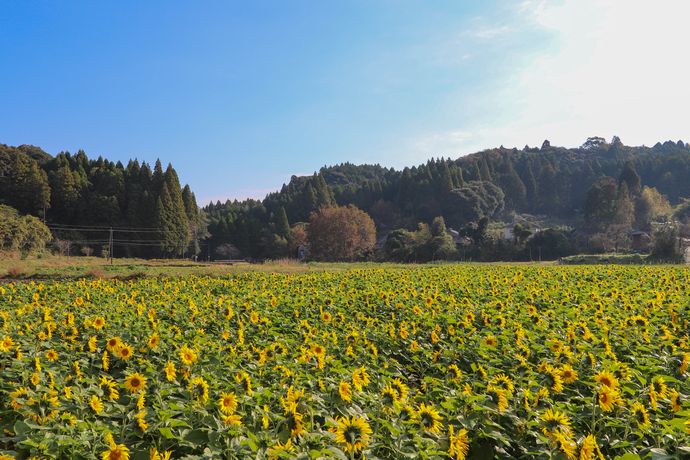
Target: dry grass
[[59, 267], [96, 273], [15, 272]]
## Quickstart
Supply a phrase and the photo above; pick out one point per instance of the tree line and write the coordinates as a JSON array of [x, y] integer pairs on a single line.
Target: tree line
[[79, 198], [589, 198], [497, 204]]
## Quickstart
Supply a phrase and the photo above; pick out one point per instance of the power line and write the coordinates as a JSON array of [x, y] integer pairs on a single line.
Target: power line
[[101, 230], [101, 227]]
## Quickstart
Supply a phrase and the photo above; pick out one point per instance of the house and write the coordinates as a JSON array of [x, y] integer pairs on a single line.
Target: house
[[640, 241]]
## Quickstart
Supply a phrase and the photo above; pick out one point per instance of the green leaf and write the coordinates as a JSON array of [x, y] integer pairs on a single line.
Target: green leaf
[[628, 456], [167, 433]]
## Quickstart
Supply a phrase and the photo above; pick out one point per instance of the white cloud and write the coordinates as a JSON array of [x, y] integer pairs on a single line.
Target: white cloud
[[489, 33], [619, 68], [609, 67]]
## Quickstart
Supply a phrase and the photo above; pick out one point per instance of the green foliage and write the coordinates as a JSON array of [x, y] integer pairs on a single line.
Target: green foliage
[[423, 245], [26, 234], [551, 244], [665, 244], [473, 201], [459, 361], [82, 193]]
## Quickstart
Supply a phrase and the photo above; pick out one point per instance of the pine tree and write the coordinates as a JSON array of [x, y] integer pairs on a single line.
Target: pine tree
[[446, 180], [484, 171], [194, 218], [630, 177], [282, 226], [29, 186], [171, 217]]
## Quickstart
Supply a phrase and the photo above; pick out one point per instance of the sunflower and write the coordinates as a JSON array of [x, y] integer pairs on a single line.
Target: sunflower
[[455, 373], [353, 432], [232, 420], [154, 454], [554, 379], [388, 395], [113, 344], [105, 361], [318, 350], [659, 386], [227, 403], [6, 344], [93, 344], [170, 371], [360, 378], [51, 355], [566, 445], [135, 382], [345, 391], [125, 351], [674, 398], [199, 389], [504, 382], [141, 400], [400, 388], [407, 412], [568, 374], [499, 397], [245, 380], [640, 414], [428, 418], [98, 323], [96, 404], [458, 444], [607, 379], [187, 355], [608, 398], [109, 387], [116, 452], [278, 450], [554, 422], [589, 450], [153, 341], [295, 420], [141, 420]]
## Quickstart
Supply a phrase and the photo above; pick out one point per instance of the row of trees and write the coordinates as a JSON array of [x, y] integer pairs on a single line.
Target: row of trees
[[601, 190], [79, 197]]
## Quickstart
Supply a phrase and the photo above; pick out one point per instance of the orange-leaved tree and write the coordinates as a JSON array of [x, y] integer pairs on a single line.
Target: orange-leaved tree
[[341, 233]]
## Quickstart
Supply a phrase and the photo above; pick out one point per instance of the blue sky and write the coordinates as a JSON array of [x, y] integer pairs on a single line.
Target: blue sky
[[241, 95]]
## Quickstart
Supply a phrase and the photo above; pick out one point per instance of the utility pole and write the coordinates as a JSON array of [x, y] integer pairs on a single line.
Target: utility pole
[[110, 246]]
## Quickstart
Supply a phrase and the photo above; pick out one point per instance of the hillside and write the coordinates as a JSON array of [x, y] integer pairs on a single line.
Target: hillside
[[551, 182], [594, 189]]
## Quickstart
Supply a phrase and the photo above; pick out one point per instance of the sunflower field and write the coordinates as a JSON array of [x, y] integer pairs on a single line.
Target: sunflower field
[[462, 361]]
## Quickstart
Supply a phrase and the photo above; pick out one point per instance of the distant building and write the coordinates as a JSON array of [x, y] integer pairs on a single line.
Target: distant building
[[640, 241]]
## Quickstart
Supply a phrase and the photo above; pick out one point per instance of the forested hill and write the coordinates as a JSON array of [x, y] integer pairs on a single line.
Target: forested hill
[[548, 180], [80, 198], [602, 189]]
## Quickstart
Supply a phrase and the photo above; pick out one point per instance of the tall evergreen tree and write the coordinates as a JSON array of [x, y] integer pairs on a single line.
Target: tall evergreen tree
[[631, 179], [282, 226], [171, 217]]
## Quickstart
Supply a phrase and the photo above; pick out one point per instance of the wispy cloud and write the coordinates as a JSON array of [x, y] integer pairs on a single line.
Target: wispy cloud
[[606, 67], [489, 32]]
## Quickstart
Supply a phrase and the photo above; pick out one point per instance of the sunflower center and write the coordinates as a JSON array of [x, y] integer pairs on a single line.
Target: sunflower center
[[352, 433]]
